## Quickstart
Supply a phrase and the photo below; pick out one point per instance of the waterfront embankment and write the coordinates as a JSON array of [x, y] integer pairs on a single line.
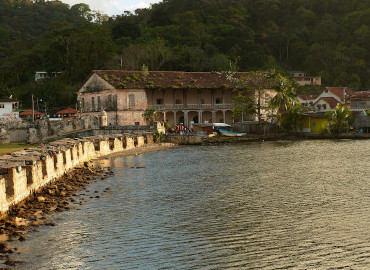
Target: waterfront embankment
[[60, 193], [24, 172], [291, 136]]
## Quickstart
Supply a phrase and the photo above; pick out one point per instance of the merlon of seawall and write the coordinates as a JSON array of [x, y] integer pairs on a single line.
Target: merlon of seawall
[[23, 172]]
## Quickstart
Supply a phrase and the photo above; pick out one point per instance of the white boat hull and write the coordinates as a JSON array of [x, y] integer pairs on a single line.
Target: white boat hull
[[231, 134]]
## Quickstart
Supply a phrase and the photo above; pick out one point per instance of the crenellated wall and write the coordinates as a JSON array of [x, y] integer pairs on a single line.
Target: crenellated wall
[[25, 171]]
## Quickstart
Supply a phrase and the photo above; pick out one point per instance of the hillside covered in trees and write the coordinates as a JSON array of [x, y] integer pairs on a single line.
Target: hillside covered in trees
[[330, 38]]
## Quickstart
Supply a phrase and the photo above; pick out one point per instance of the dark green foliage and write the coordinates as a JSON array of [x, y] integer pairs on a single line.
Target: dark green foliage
[[51, 37], [330, 38], [341, 118]]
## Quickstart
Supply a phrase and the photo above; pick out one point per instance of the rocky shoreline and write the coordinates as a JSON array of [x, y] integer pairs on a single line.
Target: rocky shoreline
[[58, 196], [36, 210]]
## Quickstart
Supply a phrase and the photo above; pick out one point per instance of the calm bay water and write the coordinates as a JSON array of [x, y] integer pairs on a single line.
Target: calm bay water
[[271, 205]]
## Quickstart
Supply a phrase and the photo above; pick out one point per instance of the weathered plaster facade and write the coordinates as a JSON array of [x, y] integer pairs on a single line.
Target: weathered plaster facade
[[23, 172], [180, 97]]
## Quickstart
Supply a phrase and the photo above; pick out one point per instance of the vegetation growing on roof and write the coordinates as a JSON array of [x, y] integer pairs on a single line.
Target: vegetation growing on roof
[[121, 85], [149, 84], [135, 77]]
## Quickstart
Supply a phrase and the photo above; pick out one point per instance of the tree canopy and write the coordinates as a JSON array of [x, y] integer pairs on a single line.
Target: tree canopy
[[329, 38]]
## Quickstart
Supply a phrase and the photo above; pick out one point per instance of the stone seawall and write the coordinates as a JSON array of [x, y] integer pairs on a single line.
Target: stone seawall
[[25, 171]]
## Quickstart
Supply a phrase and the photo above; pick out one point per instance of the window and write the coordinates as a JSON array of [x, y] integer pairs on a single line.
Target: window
[[267, 98], [202, 101], [82, 103], [131, 100], [159, 101], [218, 100], [362, 104], [178, 101], [93, 103], [99, 103], [115, 102], [1, 105], [324, 106]]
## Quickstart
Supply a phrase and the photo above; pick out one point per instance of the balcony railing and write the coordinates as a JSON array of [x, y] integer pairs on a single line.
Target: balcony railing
[[191, 107]]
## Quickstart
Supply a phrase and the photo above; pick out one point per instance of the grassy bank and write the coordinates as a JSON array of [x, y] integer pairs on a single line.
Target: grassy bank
[[6, 148]]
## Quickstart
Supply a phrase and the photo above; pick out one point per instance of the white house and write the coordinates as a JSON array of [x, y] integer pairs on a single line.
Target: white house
[[328, 99], [9, 110]]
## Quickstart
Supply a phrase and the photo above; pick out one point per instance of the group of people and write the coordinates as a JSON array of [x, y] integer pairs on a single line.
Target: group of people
[[180, 129]]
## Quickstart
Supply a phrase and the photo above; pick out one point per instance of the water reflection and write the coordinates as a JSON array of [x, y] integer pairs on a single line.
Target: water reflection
[[272, 205]]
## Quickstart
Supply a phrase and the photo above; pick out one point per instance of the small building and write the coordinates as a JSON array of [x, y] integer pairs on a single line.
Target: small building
[[40, 75], [68, 113], [9, 110], [314, 122], [303, 79], [360, 101], [27, 115], [362, 121]]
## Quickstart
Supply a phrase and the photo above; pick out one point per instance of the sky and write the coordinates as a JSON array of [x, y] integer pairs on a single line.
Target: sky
[[113, 7]]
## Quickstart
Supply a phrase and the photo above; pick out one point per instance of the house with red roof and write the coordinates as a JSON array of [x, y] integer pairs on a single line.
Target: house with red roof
[[328, 99], [27, 115], [180, 97], [67, 113]]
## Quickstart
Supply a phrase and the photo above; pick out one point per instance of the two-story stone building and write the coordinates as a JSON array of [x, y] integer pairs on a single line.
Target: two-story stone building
[[180, 97]]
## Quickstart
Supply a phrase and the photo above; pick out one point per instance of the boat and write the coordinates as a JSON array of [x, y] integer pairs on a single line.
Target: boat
[[210, 128], [231, 133]]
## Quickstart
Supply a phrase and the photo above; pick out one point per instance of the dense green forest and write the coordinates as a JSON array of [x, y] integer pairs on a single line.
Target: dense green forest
[[330, 38]]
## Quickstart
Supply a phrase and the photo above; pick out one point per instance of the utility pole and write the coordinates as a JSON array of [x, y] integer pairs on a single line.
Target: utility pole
[[80, 104], [33, 110]]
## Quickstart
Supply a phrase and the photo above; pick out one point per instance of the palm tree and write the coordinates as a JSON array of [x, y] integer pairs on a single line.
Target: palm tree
[[285, 99], [291, 117], [341, 117], [285, 94]]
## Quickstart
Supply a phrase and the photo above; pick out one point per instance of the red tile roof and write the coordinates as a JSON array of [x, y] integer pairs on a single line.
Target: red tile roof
[[29, 112], [167, 79], [308, 96], [68, 110], [330, 100], [340, 91], [361, 95]]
